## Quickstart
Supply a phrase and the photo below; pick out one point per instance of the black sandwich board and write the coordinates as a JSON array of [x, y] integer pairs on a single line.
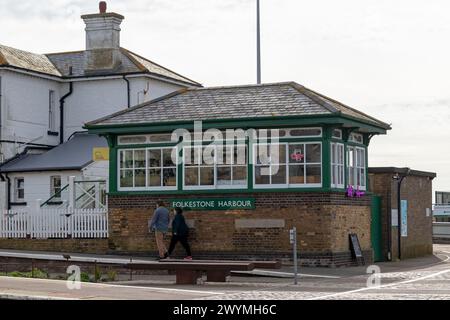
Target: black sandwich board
[[356, 248]]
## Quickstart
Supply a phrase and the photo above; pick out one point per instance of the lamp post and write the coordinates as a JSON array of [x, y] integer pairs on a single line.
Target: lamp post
[[399, 178]]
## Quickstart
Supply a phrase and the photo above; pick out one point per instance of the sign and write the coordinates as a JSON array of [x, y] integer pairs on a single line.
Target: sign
[[404, 206], [214, 204], [354, 244], [100, 154]]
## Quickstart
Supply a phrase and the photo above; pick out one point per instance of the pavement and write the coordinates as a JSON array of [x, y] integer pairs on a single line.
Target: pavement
[[423, 278]]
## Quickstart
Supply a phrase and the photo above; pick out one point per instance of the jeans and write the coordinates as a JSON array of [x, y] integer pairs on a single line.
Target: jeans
[[184, 243]]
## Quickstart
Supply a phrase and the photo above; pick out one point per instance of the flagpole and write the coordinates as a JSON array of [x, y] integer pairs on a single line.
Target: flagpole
[[258, 45]]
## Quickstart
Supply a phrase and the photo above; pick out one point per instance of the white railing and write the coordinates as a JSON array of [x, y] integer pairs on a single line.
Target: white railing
[[54, 223], [441, 229]]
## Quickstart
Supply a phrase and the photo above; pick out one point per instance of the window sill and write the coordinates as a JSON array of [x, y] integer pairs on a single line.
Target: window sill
[[19, 204]]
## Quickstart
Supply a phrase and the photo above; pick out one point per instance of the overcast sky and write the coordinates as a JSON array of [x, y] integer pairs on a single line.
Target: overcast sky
[[390, 59]]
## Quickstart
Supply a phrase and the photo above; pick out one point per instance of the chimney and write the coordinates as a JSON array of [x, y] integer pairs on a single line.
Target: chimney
[[102, 41]]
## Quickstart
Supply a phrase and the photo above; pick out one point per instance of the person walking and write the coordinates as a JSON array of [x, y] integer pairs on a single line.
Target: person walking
[[180, 233], [160, 225]]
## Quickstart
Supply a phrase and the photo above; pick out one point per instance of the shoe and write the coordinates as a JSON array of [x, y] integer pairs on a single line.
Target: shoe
[[188, 258]]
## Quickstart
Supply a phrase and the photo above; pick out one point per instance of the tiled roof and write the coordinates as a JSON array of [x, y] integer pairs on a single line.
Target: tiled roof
[[237, 102], [58, 64], [75, 154], [27, 60]]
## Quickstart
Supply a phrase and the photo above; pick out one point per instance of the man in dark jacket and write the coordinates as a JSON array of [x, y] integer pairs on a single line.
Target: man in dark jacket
[[180, 232]]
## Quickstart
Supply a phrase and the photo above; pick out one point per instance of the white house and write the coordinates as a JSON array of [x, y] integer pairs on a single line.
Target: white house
[[45, 98]]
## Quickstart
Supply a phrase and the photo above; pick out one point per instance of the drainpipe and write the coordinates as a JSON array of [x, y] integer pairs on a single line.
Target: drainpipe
[[61, 113], [128, 91]]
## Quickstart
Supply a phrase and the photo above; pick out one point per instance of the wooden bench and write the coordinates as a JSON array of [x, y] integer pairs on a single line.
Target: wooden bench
[[190, 272], [258, 264]]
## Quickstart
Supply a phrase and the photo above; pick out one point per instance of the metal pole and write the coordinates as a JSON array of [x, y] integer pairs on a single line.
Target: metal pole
[[295, 257], [258, 40]]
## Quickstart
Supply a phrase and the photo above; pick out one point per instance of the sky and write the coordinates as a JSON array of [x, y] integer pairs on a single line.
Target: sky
[[390, 59]]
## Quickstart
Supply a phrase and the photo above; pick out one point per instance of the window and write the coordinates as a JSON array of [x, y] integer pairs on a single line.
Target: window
[[337, 165], [293, 133], [51, 111], [143, 139], [288, 164], [337, 134], [55, 187], [215, 167], [146, 169], [19, 189], [357, 167], [356, 138]]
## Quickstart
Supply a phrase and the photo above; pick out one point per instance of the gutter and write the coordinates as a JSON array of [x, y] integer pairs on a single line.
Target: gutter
[[61, 113], [128, 91]]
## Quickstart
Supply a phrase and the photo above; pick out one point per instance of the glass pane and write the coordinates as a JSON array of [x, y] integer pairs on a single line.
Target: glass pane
[[139, 159], [296, 153], [167, 158], [350, 157], [21, 193], [262, 154], [296, 174], [126, 178], [240, 175], [207, 176], [126, 159], [191, 176], [351, 177], [313, 174], [278, 153], [139, 178], [279, 174], [155, 138], [262, 175], [337, 134], [133, 140], [340, 154], [305, 132], [154, 158], [313, 153], [224, 155], [192, 156], [240, 155], [208, 155], [363, 177], [223, 176], [154, 178], [170, 177]]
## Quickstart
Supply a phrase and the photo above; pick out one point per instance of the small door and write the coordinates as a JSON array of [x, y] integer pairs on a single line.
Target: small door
[[376, 229]]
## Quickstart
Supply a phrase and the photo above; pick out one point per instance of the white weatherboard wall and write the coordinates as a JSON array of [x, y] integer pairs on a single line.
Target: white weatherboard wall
[[94, 99], [37, 184], [24, 112]]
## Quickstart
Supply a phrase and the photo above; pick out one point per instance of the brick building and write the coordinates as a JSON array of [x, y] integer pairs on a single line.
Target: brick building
[[416, 236], [248, 163]]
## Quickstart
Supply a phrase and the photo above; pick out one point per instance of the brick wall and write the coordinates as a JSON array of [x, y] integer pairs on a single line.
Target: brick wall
[[323, 221], [418, 191]]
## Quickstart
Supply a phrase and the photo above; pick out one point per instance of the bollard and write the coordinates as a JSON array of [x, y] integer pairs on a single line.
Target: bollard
[[131, 270], [293, 238]]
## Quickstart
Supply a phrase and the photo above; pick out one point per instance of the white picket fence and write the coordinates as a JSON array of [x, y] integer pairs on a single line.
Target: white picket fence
[[54, 223]]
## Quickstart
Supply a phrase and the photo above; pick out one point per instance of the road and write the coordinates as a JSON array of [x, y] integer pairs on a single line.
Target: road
[[425, 278]]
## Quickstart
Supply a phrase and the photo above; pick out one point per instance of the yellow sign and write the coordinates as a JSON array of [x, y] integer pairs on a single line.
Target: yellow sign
[[100, 154]]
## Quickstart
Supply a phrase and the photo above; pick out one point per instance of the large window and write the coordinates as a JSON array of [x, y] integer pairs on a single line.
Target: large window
[[337, 165], [288, 164], [215, 167], [356, 167], [147, 169]]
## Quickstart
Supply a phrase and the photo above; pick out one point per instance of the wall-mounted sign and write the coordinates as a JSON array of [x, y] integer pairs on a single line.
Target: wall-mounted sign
[[404, 206], [100, 154], [214, 204]]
